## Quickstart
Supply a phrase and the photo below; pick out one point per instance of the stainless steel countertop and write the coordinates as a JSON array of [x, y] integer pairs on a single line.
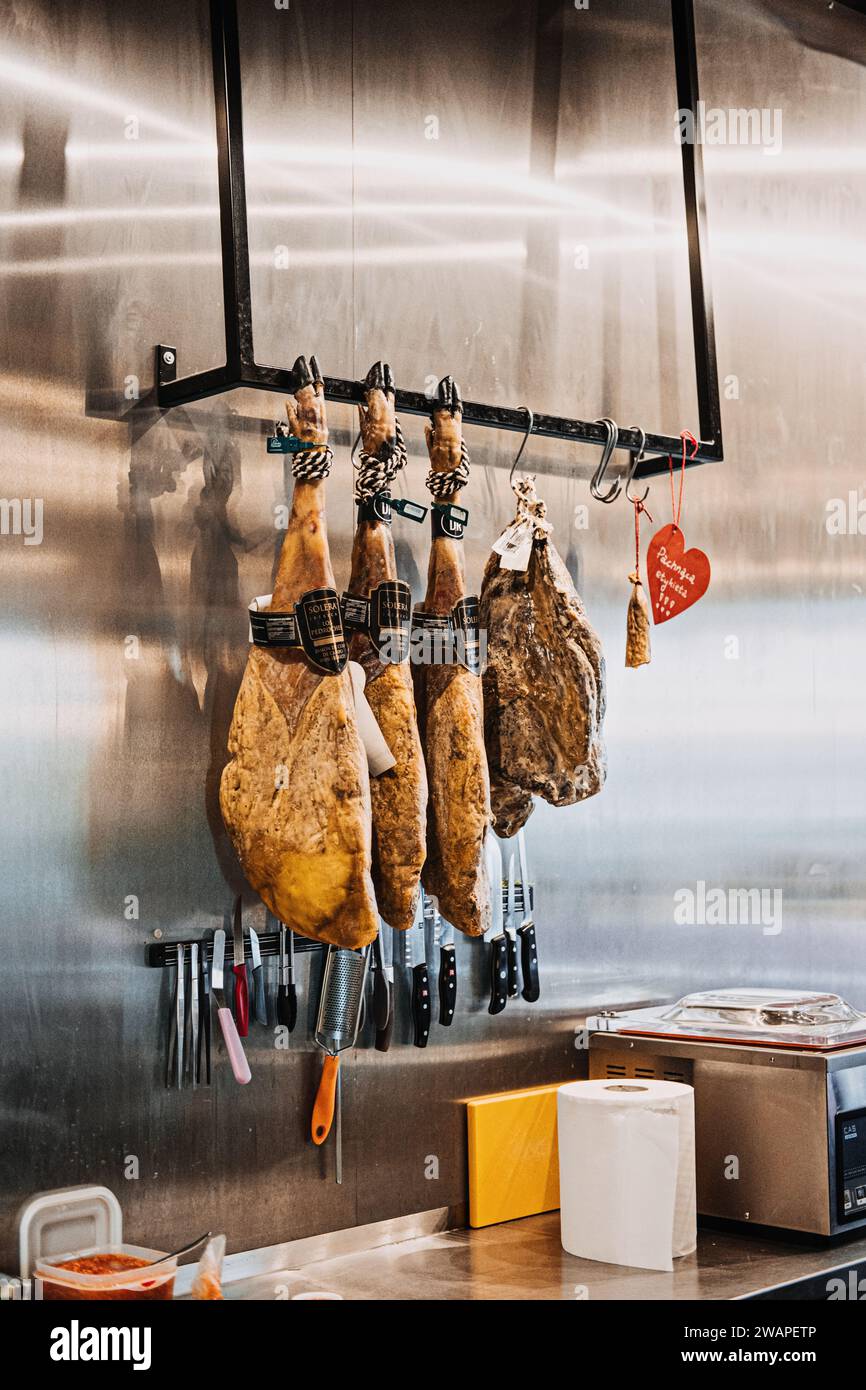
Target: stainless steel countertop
[[524, 1260]]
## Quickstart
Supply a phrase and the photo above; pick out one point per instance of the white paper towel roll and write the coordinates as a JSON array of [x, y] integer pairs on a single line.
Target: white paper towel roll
[[627, 1171]]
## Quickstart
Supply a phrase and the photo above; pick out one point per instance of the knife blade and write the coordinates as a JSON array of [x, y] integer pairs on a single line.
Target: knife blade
[[526, 931], [234, 1046], [382, 1034], [420, 980], [498, 962], [172, 1037], [511, 926], [261, 1003], [193, 1013], [180, 1011], [384, 1019], [239, 970], [204, 1014]]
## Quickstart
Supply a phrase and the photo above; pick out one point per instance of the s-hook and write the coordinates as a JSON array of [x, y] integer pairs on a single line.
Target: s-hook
[[633, 460], [523, 443], [595, 482]]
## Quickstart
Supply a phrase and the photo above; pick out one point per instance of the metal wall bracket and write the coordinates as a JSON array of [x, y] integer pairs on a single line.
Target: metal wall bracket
[[242, 371]]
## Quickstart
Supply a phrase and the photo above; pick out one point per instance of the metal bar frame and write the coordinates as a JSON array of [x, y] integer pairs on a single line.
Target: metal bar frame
[[242, 371], [162, 955]]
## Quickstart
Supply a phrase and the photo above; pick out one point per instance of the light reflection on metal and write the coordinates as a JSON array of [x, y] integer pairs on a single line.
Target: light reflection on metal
[[444, 252]]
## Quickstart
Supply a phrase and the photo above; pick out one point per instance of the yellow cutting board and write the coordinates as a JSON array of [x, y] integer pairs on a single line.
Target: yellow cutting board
[[513, 1159]]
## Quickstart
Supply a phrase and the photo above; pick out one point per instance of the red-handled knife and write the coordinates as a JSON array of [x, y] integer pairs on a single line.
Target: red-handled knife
[[239, 970]]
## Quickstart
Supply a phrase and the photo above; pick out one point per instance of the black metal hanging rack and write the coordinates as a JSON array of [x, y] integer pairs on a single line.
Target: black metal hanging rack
[[242, 371]]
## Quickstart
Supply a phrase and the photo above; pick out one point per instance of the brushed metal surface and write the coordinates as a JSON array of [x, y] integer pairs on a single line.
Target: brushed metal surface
[[735, 758], [524, 1260]]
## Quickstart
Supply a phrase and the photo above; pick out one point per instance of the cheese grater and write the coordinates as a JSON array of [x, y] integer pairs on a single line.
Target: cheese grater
[[336, 1030]]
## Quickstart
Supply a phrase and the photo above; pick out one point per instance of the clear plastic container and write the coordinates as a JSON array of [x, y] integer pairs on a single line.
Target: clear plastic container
[[83, 1279], [779, 1017]]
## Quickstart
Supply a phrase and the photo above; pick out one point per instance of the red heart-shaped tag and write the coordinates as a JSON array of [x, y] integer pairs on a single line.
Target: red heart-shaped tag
[[676, 577]]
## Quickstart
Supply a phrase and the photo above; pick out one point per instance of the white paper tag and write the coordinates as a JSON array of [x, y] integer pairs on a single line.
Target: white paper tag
[[257, 604], [514, 546]]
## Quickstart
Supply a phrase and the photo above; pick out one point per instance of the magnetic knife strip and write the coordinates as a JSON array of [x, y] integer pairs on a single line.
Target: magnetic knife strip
[[162, 954]]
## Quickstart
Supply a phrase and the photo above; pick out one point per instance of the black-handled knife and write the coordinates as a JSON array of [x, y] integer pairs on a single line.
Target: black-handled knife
[[526, 931], [420, 981], [447, 973], [529, 963], [420, 1005], [498, 974], [287, 997]]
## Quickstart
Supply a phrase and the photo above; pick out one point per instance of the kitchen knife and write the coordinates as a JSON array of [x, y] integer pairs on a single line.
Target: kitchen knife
[[511, 927], [193, 1013], [447, 973], [420, 979], [385, 968], [261, 1003], [239, 970], [204, 1014], [180, 1011], [234, 1046], [170, 1070], [498, 959], [526, 931], [382, 970], [287, 996]]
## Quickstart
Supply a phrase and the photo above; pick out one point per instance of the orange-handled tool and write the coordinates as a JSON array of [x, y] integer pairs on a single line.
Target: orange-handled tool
[[337, 1029], [326, 1099]]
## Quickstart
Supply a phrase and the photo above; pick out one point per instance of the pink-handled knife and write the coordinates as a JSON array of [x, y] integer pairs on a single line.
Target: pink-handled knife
[[234, 1046]]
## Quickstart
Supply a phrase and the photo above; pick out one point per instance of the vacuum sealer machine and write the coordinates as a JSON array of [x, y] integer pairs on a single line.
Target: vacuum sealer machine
[[780, 1099]]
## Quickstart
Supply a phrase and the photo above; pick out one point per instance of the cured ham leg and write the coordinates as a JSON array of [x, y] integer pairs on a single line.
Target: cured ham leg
[[449, 699], [544, 685], [399, 796], [295, 795]]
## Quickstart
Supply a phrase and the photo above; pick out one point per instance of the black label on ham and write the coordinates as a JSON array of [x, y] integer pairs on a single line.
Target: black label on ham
[[274, 629], [386, 617], [449, 639], [391, 620], [320, 628], [316, 626]]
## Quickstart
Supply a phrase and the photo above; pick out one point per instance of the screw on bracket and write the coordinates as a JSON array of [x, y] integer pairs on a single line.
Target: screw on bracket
[[166, 364]]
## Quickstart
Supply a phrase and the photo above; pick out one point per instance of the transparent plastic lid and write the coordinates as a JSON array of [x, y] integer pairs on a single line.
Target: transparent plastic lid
[[781, 1017]]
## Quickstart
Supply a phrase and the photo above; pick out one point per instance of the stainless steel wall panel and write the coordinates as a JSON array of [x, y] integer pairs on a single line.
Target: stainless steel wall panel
[[736, 758]]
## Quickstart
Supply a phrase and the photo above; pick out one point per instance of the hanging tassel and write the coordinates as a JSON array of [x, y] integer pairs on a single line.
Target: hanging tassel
[[637, 640], [637, 632]]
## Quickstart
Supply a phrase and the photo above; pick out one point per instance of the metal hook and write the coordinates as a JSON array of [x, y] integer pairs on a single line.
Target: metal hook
[[612, 431], [633, 460], [355, 465], [523, 445]]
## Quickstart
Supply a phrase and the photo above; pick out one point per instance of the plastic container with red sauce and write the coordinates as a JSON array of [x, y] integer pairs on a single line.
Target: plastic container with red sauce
[[106, 1272]]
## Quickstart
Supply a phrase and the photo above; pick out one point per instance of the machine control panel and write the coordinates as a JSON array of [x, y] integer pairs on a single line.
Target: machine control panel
[[851, 1160]]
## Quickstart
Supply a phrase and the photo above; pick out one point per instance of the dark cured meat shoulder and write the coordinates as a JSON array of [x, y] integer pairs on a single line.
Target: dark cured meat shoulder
[[544, 689]]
